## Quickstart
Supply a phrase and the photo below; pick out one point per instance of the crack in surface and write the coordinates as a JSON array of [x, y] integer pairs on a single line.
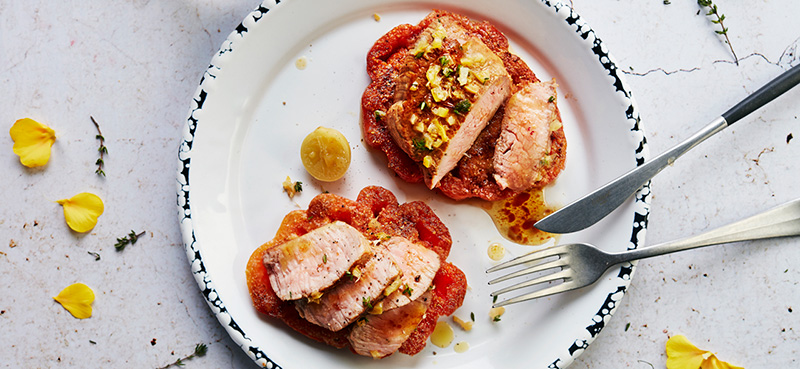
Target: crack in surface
[[662, 70], [15, 65], [689, 70]]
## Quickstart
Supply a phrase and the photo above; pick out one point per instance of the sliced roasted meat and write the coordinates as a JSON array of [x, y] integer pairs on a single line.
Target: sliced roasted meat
[[418, 264], [523, 149], [358, 292], [381, 335], [451, 85], [306, 265]]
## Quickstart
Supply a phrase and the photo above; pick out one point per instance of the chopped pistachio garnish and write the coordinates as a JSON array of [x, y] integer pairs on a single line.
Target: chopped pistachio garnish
[[462, 107], [377, 309], [441, 111], [419, 144], [367, 302]]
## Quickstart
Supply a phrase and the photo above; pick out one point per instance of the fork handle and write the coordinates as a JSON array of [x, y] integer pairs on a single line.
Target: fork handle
[[782, 221]]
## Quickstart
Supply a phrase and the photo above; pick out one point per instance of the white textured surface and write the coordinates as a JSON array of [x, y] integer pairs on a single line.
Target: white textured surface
[[134, 66]]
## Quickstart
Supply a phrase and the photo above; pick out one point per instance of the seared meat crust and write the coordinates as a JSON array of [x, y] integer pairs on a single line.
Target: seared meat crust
[[473, 175]]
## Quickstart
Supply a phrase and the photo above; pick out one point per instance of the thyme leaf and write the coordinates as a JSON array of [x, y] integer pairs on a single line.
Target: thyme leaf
[[200, 350], [131, 238], [102, 149]]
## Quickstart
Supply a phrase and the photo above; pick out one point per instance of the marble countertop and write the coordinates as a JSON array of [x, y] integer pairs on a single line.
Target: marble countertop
[[134, 66]]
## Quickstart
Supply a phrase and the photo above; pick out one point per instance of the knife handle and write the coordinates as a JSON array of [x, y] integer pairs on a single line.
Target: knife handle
[[764, 95]]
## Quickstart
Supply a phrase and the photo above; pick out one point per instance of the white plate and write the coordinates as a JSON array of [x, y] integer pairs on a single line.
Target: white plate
[[254, 106]]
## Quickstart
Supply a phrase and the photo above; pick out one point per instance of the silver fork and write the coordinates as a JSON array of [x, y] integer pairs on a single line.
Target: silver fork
[[581, 264]]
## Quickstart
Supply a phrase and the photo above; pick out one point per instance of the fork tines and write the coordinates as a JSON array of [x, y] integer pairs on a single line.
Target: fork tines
[[538, 261]]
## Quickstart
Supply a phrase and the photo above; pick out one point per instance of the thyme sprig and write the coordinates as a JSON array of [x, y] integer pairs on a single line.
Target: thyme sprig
[[102, 149], [96, 255], [714, 11], [131, 238], [199, 351]]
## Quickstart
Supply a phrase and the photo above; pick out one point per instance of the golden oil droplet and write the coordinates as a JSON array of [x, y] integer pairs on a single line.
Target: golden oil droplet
[[496, 251], [461, 347], [301, 63], [442, 335]]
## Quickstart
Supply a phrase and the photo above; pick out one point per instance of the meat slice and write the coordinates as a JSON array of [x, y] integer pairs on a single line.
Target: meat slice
[[418, 264], [381, 335], [523, 147], [451, 85], [343, 303], [308, 264]]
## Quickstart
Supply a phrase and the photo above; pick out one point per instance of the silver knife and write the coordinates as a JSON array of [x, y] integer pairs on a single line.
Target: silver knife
[[589, 209]]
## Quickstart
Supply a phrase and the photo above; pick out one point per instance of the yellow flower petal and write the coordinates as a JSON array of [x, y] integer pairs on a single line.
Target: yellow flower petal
[[714, 363], [81, 211], [682, 354], [77, 299], [32, 142]]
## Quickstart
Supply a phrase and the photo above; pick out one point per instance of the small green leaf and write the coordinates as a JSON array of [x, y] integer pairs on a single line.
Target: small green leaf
[[134, 237], [462, 107], [200, 349], [419, 144]]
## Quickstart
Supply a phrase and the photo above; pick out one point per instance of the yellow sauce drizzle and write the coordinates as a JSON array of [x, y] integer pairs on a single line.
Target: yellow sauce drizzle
[[442, 335]]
